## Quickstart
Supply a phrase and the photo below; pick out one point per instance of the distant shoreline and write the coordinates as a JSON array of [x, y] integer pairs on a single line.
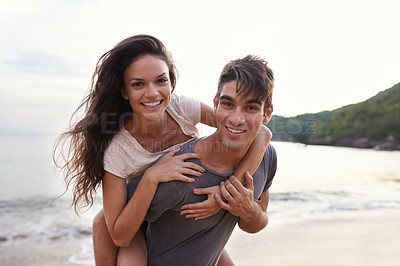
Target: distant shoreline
[[371, 124], [389, 144]]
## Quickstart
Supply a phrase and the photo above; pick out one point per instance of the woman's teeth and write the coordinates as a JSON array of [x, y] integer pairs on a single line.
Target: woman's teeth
[[153, 104]]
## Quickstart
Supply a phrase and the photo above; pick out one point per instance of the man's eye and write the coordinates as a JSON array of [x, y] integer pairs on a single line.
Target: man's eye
[[227, 104], [252, 108]]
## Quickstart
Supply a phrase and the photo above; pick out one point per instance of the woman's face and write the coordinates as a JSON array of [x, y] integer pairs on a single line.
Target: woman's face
[[147, 87]]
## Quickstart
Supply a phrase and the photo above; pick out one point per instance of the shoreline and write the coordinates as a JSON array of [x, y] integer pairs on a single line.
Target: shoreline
[[339, 238], [357, 143]]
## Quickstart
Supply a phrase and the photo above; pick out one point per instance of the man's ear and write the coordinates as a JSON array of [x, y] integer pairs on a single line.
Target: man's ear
[[268, 114], [124, 94], [215, 102]]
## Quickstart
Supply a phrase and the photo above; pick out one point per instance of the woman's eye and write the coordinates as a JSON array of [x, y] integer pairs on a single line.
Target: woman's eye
[[162, 80], [137, 84]]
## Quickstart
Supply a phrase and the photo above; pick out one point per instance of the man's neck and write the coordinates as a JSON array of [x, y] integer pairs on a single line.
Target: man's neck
[[217, 157]]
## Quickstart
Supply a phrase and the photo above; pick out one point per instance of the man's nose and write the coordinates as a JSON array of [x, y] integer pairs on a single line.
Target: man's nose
[[236, 117]]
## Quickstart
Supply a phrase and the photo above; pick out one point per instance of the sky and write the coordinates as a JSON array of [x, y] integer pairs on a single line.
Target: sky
[[325, 54]]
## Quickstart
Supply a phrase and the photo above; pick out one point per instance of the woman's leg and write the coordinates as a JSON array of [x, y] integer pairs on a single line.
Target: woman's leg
[[105, 251], [225, 259], [136, 253]]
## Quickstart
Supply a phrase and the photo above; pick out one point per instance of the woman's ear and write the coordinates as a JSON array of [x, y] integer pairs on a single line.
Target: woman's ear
[[124, 94]]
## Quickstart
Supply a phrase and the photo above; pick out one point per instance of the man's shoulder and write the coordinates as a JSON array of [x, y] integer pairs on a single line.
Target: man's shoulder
[[270, 153], [269, 157], [187, 147], [262, 178]]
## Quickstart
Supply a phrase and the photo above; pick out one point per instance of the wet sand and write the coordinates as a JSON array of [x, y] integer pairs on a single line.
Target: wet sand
[[344, 238], [39, 252]]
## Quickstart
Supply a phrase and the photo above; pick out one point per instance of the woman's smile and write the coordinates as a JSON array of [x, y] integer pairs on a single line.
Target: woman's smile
[[152, 105]]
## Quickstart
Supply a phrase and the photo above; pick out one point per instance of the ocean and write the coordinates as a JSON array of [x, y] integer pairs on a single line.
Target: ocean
[[310, 180]]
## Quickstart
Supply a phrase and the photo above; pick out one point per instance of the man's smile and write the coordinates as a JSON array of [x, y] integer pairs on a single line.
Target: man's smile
[[235, 130]]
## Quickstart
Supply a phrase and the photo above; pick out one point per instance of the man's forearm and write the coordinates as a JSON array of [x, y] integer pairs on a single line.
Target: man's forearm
[[255, 221]]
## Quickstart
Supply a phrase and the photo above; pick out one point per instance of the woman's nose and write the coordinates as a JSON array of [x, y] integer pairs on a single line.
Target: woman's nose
[[152, 91]]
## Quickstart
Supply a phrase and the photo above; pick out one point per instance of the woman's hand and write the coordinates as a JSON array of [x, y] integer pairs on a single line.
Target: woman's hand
[[171, 167], [204, 209]]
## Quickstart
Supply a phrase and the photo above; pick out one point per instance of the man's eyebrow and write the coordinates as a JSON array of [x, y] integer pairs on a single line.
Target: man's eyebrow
[[226, 97], [139, 79], [256, 101]]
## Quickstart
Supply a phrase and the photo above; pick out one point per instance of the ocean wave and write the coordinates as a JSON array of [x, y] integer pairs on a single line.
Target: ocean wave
[[41, 218], [296, 204]]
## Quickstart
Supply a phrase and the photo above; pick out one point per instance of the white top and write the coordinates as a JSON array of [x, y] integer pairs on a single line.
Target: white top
[[125, 157]]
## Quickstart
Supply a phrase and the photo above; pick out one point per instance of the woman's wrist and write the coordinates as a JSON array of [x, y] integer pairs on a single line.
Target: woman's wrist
[[150, 178]]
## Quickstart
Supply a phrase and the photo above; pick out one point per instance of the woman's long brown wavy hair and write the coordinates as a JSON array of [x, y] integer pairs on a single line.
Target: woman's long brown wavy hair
[[79, 151]]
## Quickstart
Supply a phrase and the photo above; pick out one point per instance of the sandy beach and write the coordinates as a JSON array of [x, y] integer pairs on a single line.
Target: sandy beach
[[344, 238], [341, 238]]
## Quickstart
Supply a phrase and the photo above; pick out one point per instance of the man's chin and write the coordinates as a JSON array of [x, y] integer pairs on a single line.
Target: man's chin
[[234, 145]]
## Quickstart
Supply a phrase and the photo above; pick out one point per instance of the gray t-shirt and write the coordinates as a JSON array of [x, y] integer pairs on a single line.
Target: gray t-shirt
[[174, 240]]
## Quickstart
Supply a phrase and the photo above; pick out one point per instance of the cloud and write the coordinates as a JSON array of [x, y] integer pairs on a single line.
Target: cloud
[[42, 63]]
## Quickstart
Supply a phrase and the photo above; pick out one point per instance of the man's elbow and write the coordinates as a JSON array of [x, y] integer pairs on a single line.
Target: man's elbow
[[252, 229]]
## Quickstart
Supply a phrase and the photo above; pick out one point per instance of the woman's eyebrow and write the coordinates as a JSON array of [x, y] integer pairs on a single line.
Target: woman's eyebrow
[[139, 79]]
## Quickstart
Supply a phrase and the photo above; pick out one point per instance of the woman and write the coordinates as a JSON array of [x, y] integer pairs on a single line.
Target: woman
[[131, 118]]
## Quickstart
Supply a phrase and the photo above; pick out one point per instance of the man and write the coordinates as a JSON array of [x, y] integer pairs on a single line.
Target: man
[[242, 104]]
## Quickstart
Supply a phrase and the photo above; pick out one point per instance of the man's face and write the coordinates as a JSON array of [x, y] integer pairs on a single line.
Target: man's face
[[239, 117]]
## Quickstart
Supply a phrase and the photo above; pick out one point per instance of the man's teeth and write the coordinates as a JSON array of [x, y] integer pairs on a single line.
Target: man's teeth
[[153, 104], [235, 131]]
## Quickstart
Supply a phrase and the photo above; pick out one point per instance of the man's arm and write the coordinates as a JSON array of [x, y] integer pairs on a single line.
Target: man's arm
[[240, 202], [260, 219]]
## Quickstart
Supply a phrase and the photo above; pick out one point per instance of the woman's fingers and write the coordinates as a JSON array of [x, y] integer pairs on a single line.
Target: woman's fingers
[[188, 171], [193, 211], [194, 206], [224, 192], [193, 166], [186, 156], [185, 179], [173, 152], [220, 202], [231, 190], [197, 214]]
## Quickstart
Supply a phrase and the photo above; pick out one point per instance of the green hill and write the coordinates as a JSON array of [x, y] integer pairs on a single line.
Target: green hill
[[374, 123]]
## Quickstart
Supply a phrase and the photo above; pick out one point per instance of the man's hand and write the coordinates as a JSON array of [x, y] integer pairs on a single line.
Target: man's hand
[[204, 209], [240, 198]]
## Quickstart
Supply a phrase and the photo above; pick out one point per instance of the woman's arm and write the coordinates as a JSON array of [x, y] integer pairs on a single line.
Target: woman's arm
[[124, 219], [207, 115], [251, 161]]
